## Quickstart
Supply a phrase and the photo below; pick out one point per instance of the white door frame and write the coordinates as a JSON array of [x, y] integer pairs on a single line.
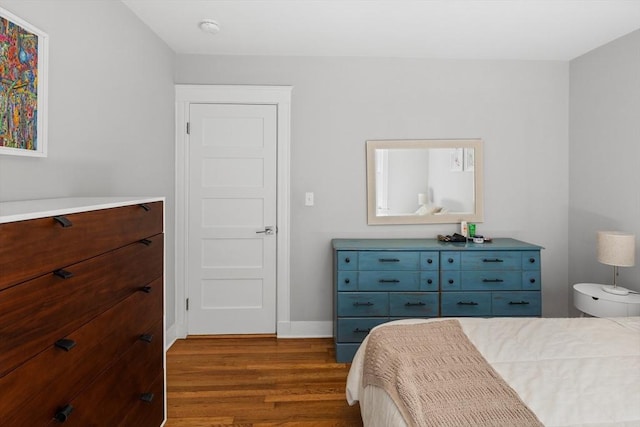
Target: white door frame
[[280, 96]]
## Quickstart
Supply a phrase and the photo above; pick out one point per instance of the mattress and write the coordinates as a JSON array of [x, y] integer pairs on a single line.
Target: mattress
[[568, 371]]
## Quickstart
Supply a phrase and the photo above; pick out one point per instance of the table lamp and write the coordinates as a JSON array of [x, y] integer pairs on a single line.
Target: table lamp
[[619, 250]]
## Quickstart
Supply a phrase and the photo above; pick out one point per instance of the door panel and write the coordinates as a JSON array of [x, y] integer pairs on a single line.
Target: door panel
[[226, 212], [241, 293], [232, 173], [232, 200]]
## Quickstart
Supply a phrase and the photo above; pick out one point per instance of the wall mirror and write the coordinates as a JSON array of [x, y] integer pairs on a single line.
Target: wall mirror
[[424, 181]]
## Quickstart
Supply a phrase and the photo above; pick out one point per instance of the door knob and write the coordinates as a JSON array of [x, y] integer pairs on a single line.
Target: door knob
[[268, 230]]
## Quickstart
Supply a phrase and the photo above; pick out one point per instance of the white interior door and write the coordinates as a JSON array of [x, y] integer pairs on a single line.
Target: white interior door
[[231, 254]]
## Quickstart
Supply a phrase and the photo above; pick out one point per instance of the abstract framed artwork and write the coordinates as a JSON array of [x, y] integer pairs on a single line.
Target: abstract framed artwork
[[23, 87]]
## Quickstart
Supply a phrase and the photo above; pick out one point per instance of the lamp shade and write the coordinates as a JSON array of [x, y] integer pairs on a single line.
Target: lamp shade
[[616, 248]]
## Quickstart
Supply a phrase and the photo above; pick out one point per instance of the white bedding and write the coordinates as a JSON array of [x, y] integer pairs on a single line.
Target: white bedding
[[569, 371]]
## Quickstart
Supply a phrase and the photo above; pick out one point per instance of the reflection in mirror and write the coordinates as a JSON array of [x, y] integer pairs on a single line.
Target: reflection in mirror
[[424, 181]]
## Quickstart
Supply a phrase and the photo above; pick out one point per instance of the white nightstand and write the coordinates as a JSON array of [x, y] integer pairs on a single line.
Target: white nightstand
[[589, 298]]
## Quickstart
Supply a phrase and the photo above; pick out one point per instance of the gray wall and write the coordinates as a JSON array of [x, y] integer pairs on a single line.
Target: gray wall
[[520, 109], [111, 132], [605, 156], [111, 110]]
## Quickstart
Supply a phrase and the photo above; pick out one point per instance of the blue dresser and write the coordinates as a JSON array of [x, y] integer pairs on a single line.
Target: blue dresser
[[378, 280]]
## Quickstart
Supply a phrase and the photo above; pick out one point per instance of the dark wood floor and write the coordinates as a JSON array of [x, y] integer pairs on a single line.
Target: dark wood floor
[[257, 381]]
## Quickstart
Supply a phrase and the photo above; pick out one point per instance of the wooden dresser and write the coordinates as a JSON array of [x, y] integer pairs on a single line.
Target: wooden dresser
[[81, 312], [378, 280]]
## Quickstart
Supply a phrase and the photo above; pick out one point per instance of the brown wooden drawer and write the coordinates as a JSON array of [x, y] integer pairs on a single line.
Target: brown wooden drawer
[[35, 314], [56, 375], [31, 248], [148, 414], [118, 390]]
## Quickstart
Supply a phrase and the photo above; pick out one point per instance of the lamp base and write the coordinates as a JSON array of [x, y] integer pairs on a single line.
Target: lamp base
[[616, 290]]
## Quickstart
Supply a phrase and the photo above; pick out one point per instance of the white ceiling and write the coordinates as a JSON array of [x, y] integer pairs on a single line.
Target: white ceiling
[[469, 29]]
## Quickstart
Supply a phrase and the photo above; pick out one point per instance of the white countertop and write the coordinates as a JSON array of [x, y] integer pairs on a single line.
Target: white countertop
[[41, 208]]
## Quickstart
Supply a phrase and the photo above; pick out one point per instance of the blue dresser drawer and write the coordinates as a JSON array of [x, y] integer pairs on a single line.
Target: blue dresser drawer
[[430, 260], [346, 351], [531, 260], [466, 304], [429, 281], [355, 329], [389, 280], [347, 280], [531, 280], [450, 260], [347, 260], [361, 304], [450, 280], [389, 260], [492, 260], [489, 280], [516, 303], [413, 304]]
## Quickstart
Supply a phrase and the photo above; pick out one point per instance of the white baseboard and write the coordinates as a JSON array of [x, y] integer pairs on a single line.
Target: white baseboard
[[319, 329], [285, 330], [170, 337]]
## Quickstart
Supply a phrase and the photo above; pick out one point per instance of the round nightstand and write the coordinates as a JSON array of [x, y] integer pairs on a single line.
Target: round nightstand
[[590, 299]]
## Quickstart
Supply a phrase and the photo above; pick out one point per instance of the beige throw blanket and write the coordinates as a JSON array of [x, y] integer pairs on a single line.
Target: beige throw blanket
[[437, 377]]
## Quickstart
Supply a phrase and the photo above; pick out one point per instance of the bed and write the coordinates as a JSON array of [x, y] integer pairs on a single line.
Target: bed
[[564, 371]]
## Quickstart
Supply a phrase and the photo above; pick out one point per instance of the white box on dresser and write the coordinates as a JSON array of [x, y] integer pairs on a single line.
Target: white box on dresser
[[82, 312]]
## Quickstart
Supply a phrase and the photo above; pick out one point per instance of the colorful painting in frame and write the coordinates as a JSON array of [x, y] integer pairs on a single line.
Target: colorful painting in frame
[[23, 87]]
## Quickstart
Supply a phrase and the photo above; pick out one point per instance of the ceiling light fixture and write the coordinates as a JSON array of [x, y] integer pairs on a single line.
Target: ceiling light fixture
[[209, 26]]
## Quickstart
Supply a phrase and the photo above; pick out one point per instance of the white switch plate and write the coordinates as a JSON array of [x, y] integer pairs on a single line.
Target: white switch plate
[[308, 199]]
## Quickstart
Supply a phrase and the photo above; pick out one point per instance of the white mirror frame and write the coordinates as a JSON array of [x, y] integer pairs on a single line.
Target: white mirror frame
[[476, 216]]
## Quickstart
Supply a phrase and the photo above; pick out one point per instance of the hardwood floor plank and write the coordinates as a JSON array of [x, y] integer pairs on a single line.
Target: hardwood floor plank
[[257, 381], [200, 422]]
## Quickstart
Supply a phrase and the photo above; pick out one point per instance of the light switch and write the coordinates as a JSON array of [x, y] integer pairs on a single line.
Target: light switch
[[308, 199]]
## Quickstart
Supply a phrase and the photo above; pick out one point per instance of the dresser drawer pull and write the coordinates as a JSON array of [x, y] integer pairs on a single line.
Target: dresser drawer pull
[[65, 344], [450, 281], [429, 281], [532, 280], [492, 260], [518, 302], [63, 221], [146, 289], [492, 280], [63, 413], [146, 242], [467, 303], [429, 261], [388, 281], [450, 260], [145, 207], [63, 274], [146, 397], [358, 304], [146, 338], [347, 281], [388, 260], [347, 260], [361, 331], [532, 260], [413, 304]]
